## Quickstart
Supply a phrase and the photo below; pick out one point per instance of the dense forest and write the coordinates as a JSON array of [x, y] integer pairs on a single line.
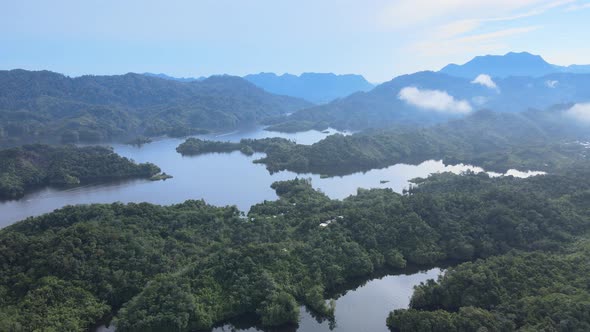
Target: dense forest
[[534, 140], [518, 248], [34, 166], [538, 291], [194, 146], [45, 106], [191, 265]]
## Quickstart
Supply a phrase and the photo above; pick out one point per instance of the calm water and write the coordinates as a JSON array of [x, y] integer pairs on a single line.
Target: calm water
[[232, 179], [219, 179], [362, 309]]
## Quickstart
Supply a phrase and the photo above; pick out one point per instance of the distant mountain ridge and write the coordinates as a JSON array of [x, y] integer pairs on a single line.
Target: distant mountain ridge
[[318, 88], [510, 64], [43, 105], [172, 78], [436, 97]]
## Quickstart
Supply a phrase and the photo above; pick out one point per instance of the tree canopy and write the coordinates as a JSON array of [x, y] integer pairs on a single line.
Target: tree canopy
[[32, 166], [191, 265], [45, 106]]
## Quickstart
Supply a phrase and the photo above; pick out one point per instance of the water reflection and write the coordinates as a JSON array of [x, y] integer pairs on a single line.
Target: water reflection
[[362, 309], [219, 179]]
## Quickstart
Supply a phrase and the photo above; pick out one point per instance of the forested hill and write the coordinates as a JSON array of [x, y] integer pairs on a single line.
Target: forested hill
[[533, 140], [189, 266], [34, 166], [42, 105], [318, 88], [425, 98], [179, 79]]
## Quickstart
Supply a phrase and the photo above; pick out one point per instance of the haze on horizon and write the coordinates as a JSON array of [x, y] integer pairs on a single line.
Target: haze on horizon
[[379, 40]]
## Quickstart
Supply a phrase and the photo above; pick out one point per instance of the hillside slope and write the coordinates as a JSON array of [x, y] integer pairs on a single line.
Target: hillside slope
[[42, 105], [427, 98], [318, 88]]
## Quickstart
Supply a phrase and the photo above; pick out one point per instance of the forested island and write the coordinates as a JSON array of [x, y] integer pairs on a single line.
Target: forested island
[[34, 166], [495, 141], [194, 146], [191, 265]]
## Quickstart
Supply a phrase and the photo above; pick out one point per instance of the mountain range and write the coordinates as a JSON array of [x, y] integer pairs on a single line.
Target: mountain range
[[318, 88], [43, 105], [510, 64], [172, 78], [429, 97]]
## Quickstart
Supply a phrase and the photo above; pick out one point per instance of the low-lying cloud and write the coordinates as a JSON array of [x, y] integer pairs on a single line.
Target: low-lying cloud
[[551, 84], [486, 81], [434, 100], [479, 100], [580, 113]]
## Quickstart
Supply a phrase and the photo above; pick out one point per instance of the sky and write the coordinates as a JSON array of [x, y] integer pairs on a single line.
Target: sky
[[376, 38]]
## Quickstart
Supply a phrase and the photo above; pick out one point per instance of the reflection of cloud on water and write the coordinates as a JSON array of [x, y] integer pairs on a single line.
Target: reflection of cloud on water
[[394, 177]]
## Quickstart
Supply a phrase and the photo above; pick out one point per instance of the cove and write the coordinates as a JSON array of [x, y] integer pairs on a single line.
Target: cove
[[218, 178], [362, 308]]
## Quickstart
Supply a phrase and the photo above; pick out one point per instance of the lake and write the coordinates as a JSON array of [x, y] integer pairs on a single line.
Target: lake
[[364, 308], [233, 179], [218, 178]]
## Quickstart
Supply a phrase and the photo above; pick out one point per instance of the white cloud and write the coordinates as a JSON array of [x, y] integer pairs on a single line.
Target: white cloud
[[463, 26], [485, 42], [456, 28], [462, 15], [485, 80], [551, 84], [579, 112], [474, 27], [409, 13], [498, 34], [434, 100], [576, 7]]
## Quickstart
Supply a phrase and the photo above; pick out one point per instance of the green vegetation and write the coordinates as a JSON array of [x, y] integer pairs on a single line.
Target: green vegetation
[[33, 166], [162, 176], [139, 141], [315, 87], [544, 290], [194, 146], [45, 106], [497, 142], [519, 291], [191, 265], [382, 107]]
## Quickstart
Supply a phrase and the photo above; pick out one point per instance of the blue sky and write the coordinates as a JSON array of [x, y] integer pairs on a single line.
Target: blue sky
[[376, 38]]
